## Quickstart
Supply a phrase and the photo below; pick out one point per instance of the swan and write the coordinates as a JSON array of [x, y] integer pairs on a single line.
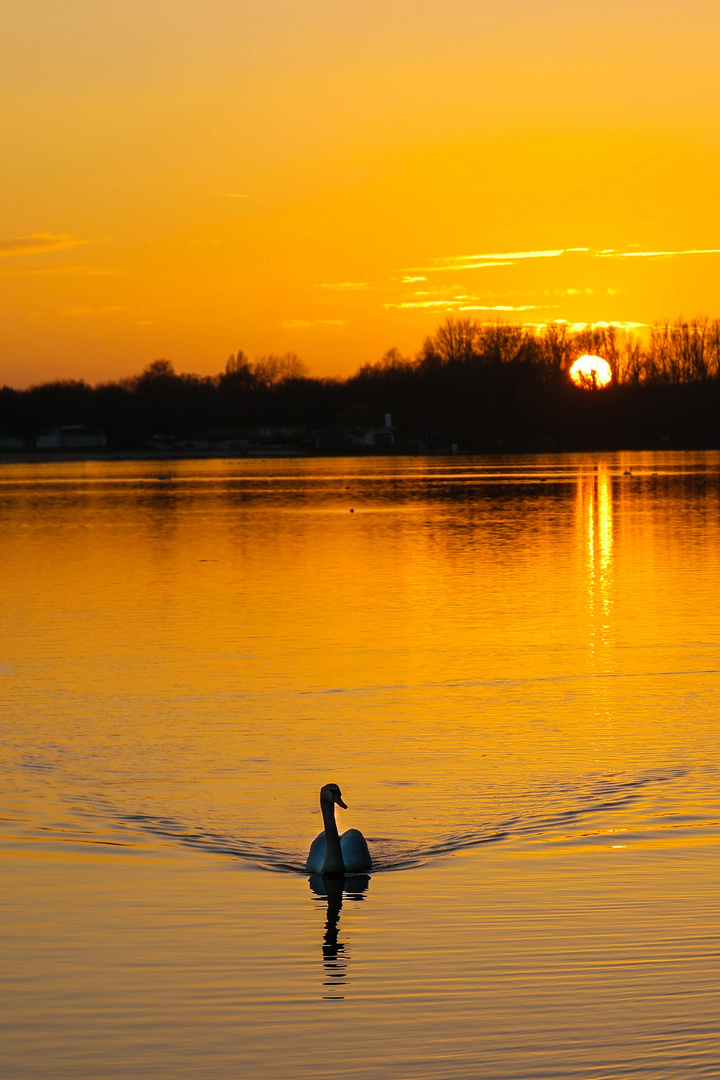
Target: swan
[[331, 853]]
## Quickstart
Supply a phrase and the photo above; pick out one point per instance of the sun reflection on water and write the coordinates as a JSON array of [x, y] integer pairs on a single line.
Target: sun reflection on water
[[594, 513]]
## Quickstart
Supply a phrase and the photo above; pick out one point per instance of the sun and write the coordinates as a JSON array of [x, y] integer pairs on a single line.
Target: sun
[[591, 372]]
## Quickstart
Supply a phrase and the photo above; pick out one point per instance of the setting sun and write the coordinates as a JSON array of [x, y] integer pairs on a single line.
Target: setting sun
[[590, 372]]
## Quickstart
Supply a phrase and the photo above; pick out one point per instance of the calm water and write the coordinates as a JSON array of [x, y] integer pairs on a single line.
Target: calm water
[[511, 668]]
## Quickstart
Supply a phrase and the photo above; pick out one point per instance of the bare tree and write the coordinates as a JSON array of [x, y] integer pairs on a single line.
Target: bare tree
[[684, 351], [392, 361], [556, 348], [454, 340], [272, 370], [501, 342]]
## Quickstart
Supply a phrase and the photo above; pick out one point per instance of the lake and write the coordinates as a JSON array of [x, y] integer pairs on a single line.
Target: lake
[[509, 665]]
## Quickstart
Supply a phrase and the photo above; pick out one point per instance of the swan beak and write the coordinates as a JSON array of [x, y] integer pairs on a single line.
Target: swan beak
[[339, 801]]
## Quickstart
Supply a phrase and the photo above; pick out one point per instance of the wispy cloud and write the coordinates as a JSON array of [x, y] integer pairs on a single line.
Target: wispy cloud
[[459, 264], [499, 307], [233, 195], [490, 260], [612, 254], [405, 304], [472, 265], [345, 285], [486, 260], [619, 324], [458, 304], [509, 255], [39, 243], [546, 284]]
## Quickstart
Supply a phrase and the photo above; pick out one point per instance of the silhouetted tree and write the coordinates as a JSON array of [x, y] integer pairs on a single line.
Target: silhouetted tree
[[482, 386], [453, 340], [272, 370]]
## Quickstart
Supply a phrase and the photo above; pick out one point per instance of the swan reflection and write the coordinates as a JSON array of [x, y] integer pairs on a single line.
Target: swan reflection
[[335, 890]]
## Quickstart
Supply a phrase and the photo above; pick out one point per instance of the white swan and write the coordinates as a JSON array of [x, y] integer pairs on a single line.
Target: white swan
[[331, 853]]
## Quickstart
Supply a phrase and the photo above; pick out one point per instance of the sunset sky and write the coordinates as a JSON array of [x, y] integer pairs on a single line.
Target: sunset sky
[[182, 179]]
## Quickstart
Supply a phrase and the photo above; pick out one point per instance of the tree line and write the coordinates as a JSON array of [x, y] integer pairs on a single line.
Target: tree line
[[475, 386]]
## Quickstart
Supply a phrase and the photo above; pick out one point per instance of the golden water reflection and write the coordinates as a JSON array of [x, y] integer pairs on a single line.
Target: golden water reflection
[[495, 628], [517, 651], [594, 518]]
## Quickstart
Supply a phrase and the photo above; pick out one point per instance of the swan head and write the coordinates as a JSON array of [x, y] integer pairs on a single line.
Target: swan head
[[331, 794]]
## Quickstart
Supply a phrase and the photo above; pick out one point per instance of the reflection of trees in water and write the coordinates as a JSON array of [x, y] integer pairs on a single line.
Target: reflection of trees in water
[[335, 959]]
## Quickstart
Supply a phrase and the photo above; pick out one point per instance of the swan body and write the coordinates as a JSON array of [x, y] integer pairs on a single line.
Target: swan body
[[353, 849], [331, 853]]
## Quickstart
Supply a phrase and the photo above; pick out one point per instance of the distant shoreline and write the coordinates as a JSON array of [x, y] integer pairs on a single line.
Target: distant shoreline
[[29, 456], [47, 457]]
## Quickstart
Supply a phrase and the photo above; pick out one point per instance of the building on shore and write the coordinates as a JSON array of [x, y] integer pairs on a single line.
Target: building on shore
[[72, 437]]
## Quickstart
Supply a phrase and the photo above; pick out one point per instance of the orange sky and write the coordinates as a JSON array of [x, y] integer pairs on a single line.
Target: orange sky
[[182, 180]]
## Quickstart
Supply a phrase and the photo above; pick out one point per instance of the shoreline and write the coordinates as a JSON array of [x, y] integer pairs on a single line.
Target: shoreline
[[47, 456]]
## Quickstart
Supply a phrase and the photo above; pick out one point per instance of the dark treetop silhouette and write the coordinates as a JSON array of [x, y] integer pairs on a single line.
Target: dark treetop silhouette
[[478, 387]]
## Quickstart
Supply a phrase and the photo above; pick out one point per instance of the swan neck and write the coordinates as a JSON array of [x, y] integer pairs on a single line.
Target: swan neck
[[328, 813], [333, 863]]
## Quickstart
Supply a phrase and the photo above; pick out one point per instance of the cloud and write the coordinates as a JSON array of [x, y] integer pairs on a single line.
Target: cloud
[[459, 304], [499, 307], [38, 243], [488, 260], [345, 285], [506, 255], [619, 325], [612, 254], [404, 304], [460, 265], [233, 195]]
